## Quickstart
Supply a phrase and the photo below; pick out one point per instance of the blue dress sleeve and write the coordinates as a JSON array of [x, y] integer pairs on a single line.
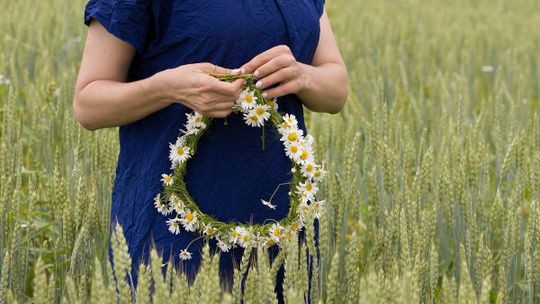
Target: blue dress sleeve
[[128, 20], [319, 5]]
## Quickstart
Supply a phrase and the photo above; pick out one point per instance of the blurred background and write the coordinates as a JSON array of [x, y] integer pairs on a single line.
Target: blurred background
[[434, 165]]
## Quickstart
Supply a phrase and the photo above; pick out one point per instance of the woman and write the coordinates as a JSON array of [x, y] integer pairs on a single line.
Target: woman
[[140, 71]]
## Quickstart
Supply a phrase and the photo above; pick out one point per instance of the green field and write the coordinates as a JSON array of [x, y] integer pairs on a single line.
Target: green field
[[433, 191]]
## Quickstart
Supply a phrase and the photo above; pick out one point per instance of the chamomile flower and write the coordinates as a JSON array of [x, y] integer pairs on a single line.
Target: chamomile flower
[[189, 220], [176, 204], [245, 238], [268, 203], [161, 206], [308, 169], [306, 155], [252, 119], [292, 135], [222, 245], [307, 190], [295, 226], [167, 179], [185, 255], [276, 232], [235, 234], [178, 153], [273, 104], [247, 99], [319, 174], [290, 120], [195, 120], [209, 230], [262, 112], [174, 225], [302, 210], [293, 150]]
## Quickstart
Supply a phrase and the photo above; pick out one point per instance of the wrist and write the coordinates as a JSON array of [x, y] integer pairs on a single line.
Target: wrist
[[306, 79], [153, 87]]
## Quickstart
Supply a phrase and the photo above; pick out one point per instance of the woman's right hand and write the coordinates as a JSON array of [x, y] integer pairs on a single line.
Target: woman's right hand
[[191, 86]]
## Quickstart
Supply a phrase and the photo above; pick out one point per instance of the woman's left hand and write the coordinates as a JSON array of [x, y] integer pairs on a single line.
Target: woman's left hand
[[277, 66]]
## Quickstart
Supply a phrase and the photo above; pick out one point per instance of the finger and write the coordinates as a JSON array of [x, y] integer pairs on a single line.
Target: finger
[[282, 75], [263, 58], [214, 69], [228, 89], [289, 87], [222, 106], [274, 65]]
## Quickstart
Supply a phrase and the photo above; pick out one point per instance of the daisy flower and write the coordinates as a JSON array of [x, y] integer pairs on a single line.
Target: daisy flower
[[268, 203], [306, 156], [292, 135], [273, 104], [307, 190], [222, 245], [262, 112], [308, 169], [185, 255], [208, 229], [174, 225], [245, 238], [319, 174], [189, 220], [195, 120], [295, 226], [179, 153], [290, 120], [167, 179], [161, 206], [252, 119], [276, 231], [236, 232], [293, 151], [176, 204], [302, 210], [247, 99]]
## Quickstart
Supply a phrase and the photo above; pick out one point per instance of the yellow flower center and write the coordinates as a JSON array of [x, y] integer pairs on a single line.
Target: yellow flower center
[[294, 226], [260, 111], [235, 234], [197, 119], [317, 174], [249, 99], [305, 155], [167, 179], [270, 242], [292, 136], [253, 117], [245, 237], [277, 232], [180, 151], [294, 149], [309, 168], [189, 216], [309, 187]]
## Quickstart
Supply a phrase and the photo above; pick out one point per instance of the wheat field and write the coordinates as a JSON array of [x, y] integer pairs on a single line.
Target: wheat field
[[433, 192]]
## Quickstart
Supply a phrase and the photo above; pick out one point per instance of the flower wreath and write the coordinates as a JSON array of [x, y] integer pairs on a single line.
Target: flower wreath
[[256, 110]]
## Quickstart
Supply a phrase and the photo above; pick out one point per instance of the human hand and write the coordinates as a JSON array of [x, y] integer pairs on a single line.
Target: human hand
[[191, 86], [277, 66]]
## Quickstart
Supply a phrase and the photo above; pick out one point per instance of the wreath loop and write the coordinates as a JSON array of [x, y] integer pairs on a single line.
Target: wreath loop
[[306, 173]]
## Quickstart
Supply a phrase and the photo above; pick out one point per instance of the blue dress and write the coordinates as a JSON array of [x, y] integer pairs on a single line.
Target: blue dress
[[230, 172]]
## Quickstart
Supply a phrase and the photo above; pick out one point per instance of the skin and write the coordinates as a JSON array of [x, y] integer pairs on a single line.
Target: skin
[[322, 86]]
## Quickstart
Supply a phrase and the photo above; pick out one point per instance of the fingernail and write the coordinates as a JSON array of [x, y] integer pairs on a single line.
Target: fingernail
[[258, 84], [256, 74], [265, 94], [242, 70], [235, 71]]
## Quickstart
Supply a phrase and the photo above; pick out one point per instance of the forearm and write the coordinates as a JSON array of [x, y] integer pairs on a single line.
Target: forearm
[[326, 87], [107, 103]]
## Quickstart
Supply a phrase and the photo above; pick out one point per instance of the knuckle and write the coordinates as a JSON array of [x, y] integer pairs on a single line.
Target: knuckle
[[284, 48]]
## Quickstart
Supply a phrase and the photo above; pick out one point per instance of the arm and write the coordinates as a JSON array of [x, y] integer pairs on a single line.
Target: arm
[[322, 86], [103, 99]]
